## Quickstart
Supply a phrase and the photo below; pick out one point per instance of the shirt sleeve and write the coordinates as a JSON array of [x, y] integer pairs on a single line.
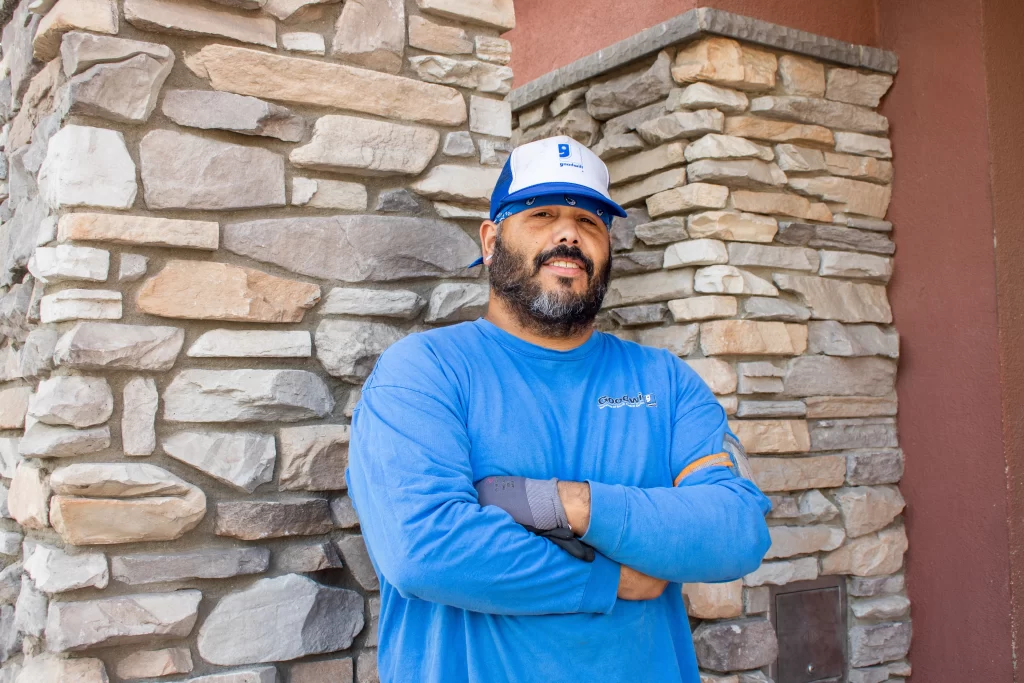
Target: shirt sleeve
[[708, 527], [410, 481]]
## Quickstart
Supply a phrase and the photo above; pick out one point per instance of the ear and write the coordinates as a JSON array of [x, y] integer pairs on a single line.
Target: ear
[[488, 235]]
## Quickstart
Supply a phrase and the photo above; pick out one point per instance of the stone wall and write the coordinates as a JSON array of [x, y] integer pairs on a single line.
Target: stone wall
[[217, 215], [757, 182]]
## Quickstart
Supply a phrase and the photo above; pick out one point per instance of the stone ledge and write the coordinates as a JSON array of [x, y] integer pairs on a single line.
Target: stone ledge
[[689, 25]]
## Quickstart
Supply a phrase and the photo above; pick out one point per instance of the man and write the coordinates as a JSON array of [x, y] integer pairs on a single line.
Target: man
[[532, 492]]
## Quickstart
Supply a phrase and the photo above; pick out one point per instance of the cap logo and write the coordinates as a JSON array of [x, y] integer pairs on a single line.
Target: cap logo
[[567, 156], [564, 152]]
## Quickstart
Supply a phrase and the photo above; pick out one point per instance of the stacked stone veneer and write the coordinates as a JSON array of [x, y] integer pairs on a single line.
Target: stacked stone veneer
[[217, 215], [757, 183]]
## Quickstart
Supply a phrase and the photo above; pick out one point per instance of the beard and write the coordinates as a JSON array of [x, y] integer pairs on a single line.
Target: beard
[[559, 313]]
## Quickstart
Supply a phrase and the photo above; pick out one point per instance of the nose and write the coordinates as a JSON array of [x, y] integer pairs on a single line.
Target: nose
[[566, 231]]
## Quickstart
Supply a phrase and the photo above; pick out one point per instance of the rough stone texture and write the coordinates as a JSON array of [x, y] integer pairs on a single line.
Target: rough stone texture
[[237, 113], [243, 460], [73, 400], [138, 418], [707, 96], [854, 196], [497, 14], [14, 406], [826, 376], [154, 663], [865, 468], [328, 194], [353, 552], [65, 262], [465, 73], [122, 620], [714, 600], [717, 374], [348, 143], [308, 558], [873, 555], [630, 91], [797, 474], [213, 563], [324, 670], [205, 290], [87, 167], [788, 541], [837, 300], [714, 146], [99, 16], [857, 87], [245, 396], [123, 92], [306, 81], [735, 645], [702, 308], [876, 644], [834, 339], [742, 173], [388, 303], [55, 571], [348, 349], [138, 230], [728, 225], [681, 340], [181, 171], [97, 346], [647, 287], [253, 520], [729, 280], [355, 248], [172, 17], [867, 509], [453, 302], [313, 458], [730, 337], [846, 264], [757, 128], [802, 76], [80, 304], [310, 618], [28, 497], [436, 38], [851, 406], [371, 33], [44, 441], [691, 197], [725, 62]]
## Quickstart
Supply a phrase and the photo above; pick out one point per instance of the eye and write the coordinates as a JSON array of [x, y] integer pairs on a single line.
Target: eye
[[540, 213], [588, 220]]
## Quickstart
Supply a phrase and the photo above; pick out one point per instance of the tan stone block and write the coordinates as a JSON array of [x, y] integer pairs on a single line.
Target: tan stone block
[[695, 253], [359, 145], [856, 87], [781, 573], [470, 185], [99, 16], [788, 541], [205, 290], [686, 124], [80, 304], [139, 230], [498, 14], [707, 96], [869, 508], [307, 81], [846, 302], [792, 158], [691, 197], [702, 308], [445, 40], [865, 168], [371, 33], [28, 496], [824, 407], [715, 146], [465, 73], [13, 406], [720, 279], [716, 373], [802, 76], [777, 131], [649, 287], [875, 555], [780, 204], [647, 162], [631, 193], [816, 111], [866, 145], [185, 17], [681, 340], [797, 474], [155, 663], [714, 600], [725, 62], [855, 265], [736, 172], [732, 225], [772, 436]]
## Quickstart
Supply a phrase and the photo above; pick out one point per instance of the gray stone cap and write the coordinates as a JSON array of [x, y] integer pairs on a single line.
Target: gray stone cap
[[695, 23]]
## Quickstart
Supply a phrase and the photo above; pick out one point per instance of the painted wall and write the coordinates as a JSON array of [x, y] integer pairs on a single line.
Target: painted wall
[[546, 39]]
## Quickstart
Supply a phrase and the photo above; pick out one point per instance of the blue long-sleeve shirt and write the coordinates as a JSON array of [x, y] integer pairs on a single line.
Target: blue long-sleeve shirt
[[470, 596]]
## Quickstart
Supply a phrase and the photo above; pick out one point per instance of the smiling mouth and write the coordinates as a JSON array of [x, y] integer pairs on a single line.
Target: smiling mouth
[[564, 263]]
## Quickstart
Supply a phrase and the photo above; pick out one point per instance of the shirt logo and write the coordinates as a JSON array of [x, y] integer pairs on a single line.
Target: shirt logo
[[641, 400]]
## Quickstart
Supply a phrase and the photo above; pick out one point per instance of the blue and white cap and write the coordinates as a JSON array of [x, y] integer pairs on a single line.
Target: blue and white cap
[[556, 170]]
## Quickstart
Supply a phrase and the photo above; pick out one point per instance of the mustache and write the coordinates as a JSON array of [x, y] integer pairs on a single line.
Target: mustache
[[563, 251]]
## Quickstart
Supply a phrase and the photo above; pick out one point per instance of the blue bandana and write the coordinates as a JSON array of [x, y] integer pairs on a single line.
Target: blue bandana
[[586, 203]]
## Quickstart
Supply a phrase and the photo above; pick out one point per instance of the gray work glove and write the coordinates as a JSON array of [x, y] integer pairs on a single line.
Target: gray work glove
[[535, 504]]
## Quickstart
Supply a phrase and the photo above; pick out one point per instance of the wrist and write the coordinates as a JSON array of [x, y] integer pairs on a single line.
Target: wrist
[[575, 497]]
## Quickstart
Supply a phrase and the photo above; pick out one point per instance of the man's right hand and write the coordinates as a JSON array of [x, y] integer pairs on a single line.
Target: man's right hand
[[634, 585]]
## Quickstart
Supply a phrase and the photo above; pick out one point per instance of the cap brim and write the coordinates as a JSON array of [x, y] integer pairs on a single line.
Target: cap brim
[[566, 188]]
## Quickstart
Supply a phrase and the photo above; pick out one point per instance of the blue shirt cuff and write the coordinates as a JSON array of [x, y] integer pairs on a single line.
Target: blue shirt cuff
[[603, 586], [607, 517]]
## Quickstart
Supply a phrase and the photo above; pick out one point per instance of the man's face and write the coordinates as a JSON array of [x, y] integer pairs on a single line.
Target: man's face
[[551, 265]]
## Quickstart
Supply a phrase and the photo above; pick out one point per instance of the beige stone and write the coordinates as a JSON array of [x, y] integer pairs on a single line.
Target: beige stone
[[732, 225], [138, 230], [211, 109], [825, 407], [99, 16], [722, 279], [772, 436], [13, 406], [66, 262], [252, 344], [780, 204], [777, 131], [875, 555], [371, 33], [328, 194], [497, 14], [465, 73], [445, 40], [796, 159], [488, 116], [698, 252], [28, 496], [856, 87], [470, 185], [866, 145], [313, 458], [702, 308], [855, 265], [802, 76], [189, 18], [689, 124], [788, 541], [797, 474], [751, 173], [304, 41], [714, 600], [868, 508], [690, 197], [715, 146], [125, 91], [291, 11], [491, 49], [307, 81], [781, 573], [716, 373], [72, 400], [765, 256], [352, 144], [205, 290], [87, 166], [646, 162], [725, 62], [863, 168], [681, 340], [820, 112], [138, 419], [846, 302], [632, 193], [80, 51], [707, 96], [648, 287], [154, 663], [80, 304]]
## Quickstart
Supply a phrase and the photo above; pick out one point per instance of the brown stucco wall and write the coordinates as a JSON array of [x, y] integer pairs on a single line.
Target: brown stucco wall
[[944, 298], [546, 37]]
